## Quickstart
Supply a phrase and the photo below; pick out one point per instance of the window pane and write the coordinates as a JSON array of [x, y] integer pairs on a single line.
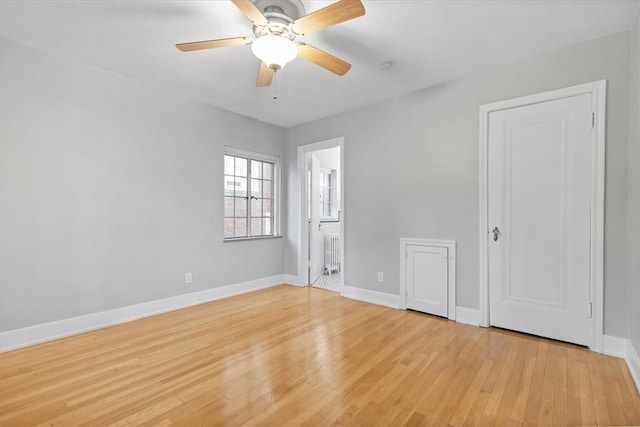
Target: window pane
[[267, 170], [266, 189], [256, 188], [241, 227], [229, 167], [326, 195], [241, 207], [266, 223], [228, 206], [266, 207], [241, 166], [256, 169], [256, 207], [228, 228], [230, 184], [241, 187], [256, 226]]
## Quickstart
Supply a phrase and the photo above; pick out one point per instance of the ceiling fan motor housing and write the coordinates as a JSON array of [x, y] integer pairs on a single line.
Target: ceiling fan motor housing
[[280, 14]]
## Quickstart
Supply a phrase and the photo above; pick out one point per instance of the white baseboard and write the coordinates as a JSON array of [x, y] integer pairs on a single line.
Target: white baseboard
[[614, 346], [622, 348], [18, 338], [291, 279], [469, 316], [373, 297], [633, 362]]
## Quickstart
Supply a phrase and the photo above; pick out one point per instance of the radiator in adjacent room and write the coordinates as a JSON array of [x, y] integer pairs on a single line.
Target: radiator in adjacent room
[[331, 253]]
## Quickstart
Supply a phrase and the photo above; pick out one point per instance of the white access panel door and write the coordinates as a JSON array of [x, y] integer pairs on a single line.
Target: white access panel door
[[540, 159], [427, 279]]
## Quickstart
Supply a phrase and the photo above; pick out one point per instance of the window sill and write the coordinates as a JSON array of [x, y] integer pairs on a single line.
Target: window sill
[[244, 239]]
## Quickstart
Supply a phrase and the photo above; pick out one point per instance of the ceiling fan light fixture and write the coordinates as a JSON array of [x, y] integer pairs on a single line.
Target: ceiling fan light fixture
[[275, 51]]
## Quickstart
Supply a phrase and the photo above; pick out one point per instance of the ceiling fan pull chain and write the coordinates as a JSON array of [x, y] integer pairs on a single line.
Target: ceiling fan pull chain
[[275, 84]]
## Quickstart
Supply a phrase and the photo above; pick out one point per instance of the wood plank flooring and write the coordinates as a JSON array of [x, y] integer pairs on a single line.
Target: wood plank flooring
[[303, 356]]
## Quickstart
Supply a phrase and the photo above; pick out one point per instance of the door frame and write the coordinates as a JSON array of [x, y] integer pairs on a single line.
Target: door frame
[[303, 230], [450, 245], [597, 90]]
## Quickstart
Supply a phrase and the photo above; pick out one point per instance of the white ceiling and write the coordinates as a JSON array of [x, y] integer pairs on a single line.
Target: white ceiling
[[429, 42]]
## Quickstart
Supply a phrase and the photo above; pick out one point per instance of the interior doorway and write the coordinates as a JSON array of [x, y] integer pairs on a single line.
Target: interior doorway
[[322, 220]]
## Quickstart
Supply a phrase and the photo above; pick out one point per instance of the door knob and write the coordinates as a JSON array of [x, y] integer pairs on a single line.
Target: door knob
[[495, 232]]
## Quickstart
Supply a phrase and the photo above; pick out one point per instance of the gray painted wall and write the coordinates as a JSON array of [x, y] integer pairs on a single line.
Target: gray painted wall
[[634, 190], [111, 190], [412, 169]]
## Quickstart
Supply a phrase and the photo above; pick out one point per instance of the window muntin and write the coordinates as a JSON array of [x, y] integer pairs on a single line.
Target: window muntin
[[249, 196]]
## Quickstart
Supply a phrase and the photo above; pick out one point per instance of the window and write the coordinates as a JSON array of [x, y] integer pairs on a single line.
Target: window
[[326, 188], [249, 195], [329, 195]]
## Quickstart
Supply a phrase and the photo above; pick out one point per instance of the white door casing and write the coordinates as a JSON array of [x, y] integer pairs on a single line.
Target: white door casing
[[542, 182], [427, 279], [302, 226], [539, 170]]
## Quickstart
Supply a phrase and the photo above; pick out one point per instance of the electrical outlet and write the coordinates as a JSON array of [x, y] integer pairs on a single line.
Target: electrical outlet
[[188, 278], [380, 276]]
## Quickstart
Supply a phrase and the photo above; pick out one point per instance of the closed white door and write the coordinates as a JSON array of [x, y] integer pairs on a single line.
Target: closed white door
[[540, 159], [427, 279]]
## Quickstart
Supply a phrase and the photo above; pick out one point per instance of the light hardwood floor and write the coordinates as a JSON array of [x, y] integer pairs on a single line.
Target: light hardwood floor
[[293, 356]]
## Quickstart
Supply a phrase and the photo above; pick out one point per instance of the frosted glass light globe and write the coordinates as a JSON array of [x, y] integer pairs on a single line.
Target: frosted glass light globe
[[275, 51]]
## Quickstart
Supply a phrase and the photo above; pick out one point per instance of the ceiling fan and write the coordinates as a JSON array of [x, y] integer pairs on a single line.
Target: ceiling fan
[[276, 24]]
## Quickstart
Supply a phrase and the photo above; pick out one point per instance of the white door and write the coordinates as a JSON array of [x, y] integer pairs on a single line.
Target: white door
[[316, 243], [540, 160], [427, 279]]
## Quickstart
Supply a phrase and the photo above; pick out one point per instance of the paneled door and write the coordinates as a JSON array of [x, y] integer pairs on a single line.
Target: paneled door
[[427, 279], [539, 190]]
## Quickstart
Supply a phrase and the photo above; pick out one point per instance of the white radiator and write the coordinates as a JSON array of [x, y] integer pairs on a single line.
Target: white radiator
[[331, 253]]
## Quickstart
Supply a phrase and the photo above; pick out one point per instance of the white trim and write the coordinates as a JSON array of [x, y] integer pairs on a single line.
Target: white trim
[[371, 297], [303, 238], [18, 338], [250, 154], [614, 346], [294, 280], [621, 347], [598, 92], [450, 245], [469, 316], [633, 362]]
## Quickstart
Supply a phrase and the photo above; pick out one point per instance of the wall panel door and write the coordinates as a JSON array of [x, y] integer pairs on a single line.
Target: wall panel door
[[427, 279]]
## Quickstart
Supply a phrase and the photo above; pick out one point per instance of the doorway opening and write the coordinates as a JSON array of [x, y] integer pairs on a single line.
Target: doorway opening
[[322, 221]]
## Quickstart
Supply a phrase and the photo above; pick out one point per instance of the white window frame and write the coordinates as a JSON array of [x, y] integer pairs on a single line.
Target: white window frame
[[333, 209], [251, 155]]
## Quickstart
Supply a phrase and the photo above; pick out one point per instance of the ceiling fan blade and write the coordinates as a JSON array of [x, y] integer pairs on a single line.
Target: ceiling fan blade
[[342, 11], [265, 75], [323, 59], [210, 44], [251, 11]]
